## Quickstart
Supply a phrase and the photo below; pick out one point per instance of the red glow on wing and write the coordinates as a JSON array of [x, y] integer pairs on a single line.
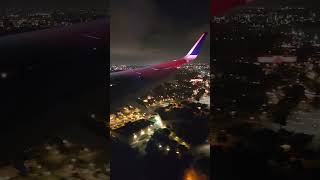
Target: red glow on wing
[[170, 64], [160, 70]]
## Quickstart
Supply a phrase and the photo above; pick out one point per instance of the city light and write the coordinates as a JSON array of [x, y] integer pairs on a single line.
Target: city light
[[168, 148], [158, 121], [4, 75], [142, 132]]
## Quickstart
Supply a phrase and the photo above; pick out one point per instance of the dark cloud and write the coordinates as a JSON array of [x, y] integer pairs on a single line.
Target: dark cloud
[[150, 31]]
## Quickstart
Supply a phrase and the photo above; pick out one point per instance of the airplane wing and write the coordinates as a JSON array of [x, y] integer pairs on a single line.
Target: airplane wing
[[126, 86], [59, 41], [40, 67], [153, 70], [50, 79], [221, 6]]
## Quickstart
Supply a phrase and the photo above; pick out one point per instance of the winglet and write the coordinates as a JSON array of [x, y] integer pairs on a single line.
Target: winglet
[[195, 50]]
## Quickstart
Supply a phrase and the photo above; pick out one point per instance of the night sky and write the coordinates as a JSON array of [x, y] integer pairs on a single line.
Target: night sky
[[152, 31]]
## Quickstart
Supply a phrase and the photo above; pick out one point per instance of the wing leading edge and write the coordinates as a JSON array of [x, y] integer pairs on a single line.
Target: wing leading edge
[[192, 55]]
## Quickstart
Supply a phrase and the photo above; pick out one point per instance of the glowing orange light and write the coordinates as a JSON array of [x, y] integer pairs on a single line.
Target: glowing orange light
[[192, 174]]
